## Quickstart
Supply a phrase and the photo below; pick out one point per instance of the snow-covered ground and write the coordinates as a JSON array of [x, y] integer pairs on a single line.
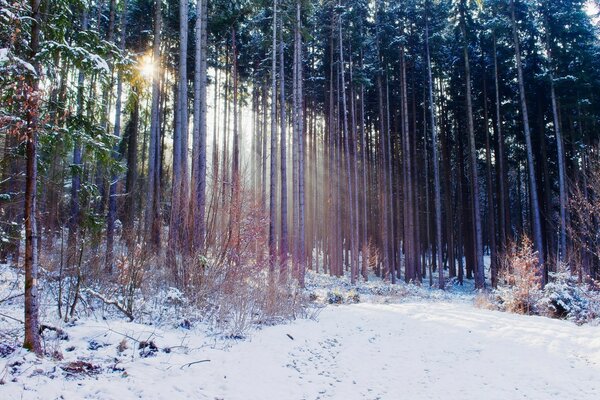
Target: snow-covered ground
[[415, 350]]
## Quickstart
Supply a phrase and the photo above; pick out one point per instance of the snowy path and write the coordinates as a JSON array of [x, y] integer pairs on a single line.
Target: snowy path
[[421, 350]]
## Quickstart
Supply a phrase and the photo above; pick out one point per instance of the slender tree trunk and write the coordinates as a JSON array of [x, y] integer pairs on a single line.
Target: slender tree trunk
[[131, 187], [535, 209], [409, 232], [200, 130], [75, 207], [273, 155], [179, 202], [478, 242], [490, 186], [563, 196], [502, 175], [300, 122], [264, 137], [436, 164], [112, 197], [283, 251], [353, 267], [153, 219], [32, 340]]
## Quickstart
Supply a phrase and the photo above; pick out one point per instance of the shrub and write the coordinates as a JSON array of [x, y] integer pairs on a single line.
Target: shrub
[[335, 297], [564, 297], [519, 288]]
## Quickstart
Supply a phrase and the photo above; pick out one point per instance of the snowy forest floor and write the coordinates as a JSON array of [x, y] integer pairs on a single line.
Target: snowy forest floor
[[400, 342]]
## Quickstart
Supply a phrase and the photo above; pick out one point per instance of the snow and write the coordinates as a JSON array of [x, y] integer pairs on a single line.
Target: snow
[[5, 57], [400, 341], [416, 350]]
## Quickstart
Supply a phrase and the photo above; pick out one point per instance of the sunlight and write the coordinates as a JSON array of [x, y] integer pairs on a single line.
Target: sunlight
[[591, 9], [146, 66]]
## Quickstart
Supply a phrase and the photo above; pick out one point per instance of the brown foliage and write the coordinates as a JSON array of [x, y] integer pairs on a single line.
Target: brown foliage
[[519, 277]]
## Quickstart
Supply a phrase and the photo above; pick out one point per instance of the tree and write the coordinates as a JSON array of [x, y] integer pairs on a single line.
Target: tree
[[478, 241], [533, 191], [153, 225], [436, 163], [200, 129], [32, 340]]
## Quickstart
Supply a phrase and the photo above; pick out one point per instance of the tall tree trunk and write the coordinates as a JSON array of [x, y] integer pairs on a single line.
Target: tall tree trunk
[[235, 213], [283, 250], [131, 133], [479, 267], [503, 206], [112, 197], [409, 219], [535, 209], [562, 185], [32, 340], [490, 189], [179, 199], [300, 126], [199, 134], [273, 154], [436, 164], [77, 169], [353, 266], [153, 219]]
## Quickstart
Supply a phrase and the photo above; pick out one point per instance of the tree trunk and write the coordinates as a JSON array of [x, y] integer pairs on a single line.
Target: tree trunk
[[300, 123], [503, 206], [32, 340], [535, 209], [436, 165], [273, 155], [479, 267], [112, 197], [283, 250], [353, 266], [563, 196], [153, 220], [199, 134]]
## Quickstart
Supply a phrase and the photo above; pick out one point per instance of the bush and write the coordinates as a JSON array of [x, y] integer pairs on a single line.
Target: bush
[[335, 297], [519, 290], [564, 297], [353, 297]]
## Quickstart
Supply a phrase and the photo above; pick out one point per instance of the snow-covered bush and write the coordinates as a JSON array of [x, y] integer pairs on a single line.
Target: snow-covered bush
[[335, 297], [519, 289], [353, 297], [564, 297]]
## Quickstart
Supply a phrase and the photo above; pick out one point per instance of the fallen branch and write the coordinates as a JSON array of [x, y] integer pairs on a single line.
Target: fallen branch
[[192, 363], [110, 302]]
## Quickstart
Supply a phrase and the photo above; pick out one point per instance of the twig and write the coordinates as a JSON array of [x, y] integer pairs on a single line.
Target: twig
[[124, 335], [115, 303], [12, 297], [192, 363], [13, 318]]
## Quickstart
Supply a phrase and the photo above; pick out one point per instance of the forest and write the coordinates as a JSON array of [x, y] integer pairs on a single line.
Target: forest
[[236, 150]]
